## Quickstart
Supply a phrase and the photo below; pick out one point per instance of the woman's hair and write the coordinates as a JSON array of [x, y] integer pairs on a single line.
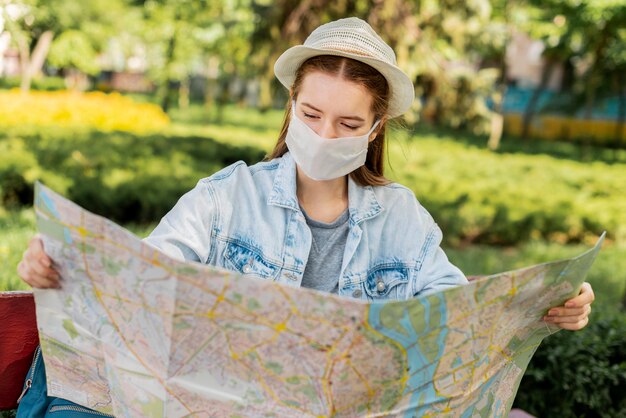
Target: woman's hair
[[370, 174]]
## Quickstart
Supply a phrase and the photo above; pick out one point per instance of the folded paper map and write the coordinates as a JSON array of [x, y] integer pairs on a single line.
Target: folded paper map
[[133, 332]]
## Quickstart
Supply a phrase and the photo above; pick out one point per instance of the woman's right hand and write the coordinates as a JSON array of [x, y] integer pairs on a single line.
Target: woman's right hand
[[36, 267]]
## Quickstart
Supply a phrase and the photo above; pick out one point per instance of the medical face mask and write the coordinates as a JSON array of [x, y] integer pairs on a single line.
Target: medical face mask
[[322, 158]]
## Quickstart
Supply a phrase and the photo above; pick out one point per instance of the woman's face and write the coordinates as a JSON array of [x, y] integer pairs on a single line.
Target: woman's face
[[334, 107]]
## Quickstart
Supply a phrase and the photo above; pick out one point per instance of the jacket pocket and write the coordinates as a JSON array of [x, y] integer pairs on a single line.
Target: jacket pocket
[[387, 281], [246, 260]]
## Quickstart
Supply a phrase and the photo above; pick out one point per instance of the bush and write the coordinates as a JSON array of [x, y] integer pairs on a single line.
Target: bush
[[478, 196], [125, 177], [105, 112], [42, 83], [581, 374]]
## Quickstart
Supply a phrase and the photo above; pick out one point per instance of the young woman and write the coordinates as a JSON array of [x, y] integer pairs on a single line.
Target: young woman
[[319, 213]]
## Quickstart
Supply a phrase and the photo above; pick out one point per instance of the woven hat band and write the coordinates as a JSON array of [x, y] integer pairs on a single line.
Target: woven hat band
[[361, 40]]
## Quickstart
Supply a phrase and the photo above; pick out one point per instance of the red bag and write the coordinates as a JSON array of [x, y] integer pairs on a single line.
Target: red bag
[[18, 340]]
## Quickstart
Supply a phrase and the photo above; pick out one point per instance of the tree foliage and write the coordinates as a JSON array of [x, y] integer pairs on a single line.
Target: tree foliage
[[588, 38], [72, 32], [454, 51]]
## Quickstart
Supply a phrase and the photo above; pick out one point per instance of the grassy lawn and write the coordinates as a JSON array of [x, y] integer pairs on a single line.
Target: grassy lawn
[[410, 154], [16, 228], [539, 184]]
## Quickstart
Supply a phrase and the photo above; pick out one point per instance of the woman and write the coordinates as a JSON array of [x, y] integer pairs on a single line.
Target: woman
[[319, 213]]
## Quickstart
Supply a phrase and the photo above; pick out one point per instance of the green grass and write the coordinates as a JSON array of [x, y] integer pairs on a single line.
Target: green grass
[[410, 157], [232, 125], [407, 149], [251, 127], [17, 229], [607, 275]]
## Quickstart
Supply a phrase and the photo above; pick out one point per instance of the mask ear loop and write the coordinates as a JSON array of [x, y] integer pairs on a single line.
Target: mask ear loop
[[376, 123]]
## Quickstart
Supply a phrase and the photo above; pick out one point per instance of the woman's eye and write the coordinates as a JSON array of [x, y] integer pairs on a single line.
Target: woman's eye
[[309, 116], [352, 128]]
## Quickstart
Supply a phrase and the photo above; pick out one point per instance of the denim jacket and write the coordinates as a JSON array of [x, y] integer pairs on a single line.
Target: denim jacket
[[247, 219]]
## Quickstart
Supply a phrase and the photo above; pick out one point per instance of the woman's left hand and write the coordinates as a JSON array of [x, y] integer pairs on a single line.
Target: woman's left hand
[[574, 315]]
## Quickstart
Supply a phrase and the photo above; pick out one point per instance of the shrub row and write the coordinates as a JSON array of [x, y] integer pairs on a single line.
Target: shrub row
[[482, 197], [581, 374], [105, 112], [39, 83], [123, 176], [475, 195]]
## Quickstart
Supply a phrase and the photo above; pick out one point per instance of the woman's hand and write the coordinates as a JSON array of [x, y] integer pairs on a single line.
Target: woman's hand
[[574, 315], [36, 267]]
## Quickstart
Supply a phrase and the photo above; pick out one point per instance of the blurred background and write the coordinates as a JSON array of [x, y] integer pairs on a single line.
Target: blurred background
[[516, 142]]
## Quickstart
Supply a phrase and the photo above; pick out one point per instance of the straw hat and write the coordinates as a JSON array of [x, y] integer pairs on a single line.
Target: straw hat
[[351, 38]]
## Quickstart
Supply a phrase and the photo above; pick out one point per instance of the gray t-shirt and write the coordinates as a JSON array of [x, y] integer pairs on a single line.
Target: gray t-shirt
[[324, 264]]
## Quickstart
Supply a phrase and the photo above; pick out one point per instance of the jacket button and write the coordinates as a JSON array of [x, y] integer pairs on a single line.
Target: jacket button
[[381, 286], [357, 293], [247, 268]]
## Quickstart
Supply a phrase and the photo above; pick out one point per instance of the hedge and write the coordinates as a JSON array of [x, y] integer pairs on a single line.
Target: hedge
[[475, 196], [478, 196], [579, 374], [49, 83], [123, 176]]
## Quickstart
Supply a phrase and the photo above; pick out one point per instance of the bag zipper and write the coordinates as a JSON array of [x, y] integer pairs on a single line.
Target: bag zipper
[[29, 381], [75, 408]]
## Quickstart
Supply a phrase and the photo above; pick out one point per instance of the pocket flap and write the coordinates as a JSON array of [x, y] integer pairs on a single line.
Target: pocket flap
[[245, 260], [382, 281]]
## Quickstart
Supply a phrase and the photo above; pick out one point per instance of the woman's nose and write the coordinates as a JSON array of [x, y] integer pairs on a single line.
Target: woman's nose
[[327, 130]]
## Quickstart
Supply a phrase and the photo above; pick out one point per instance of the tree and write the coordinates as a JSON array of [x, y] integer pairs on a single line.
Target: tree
[[182, 36], [21, 19], [73, 33], [587, 34], [435, 42]]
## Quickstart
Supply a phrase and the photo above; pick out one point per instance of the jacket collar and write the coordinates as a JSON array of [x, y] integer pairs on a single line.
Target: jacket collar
[[362, 199]]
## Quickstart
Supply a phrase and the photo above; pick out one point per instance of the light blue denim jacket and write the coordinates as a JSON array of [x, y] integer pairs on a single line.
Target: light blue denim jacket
[[247, 219]]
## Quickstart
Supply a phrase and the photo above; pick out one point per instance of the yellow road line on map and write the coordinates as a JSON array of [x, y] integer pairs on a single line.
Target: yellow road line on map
[[489, 334], [260, 378], [327, 373], [153, 260], [367, 325], [116, 326], [331, 359], [267, 389], [196, 352]]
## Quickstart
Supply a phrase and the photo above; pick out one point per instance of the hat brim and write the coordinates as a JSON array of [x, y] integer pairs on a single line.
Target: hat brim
[[401, 88]]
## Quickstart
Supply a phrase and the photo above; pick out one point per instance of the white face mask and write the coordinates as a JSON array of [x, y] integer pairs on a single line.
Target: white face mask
[[322, 158]]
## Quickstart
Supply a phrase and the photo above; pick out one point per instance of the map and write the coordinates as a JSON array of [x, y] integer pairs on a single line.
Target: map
[[133, 332]]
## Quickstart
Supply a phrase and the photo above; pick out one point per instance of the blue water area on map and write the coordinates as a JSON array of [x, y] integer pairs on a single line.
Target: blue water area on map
[[421, 370], [52, 208]]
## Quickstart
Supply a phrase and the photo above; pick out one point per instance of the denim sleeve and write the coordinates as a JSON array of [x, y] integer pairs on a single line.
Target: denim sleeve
[[185, 232], [438, 273]]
